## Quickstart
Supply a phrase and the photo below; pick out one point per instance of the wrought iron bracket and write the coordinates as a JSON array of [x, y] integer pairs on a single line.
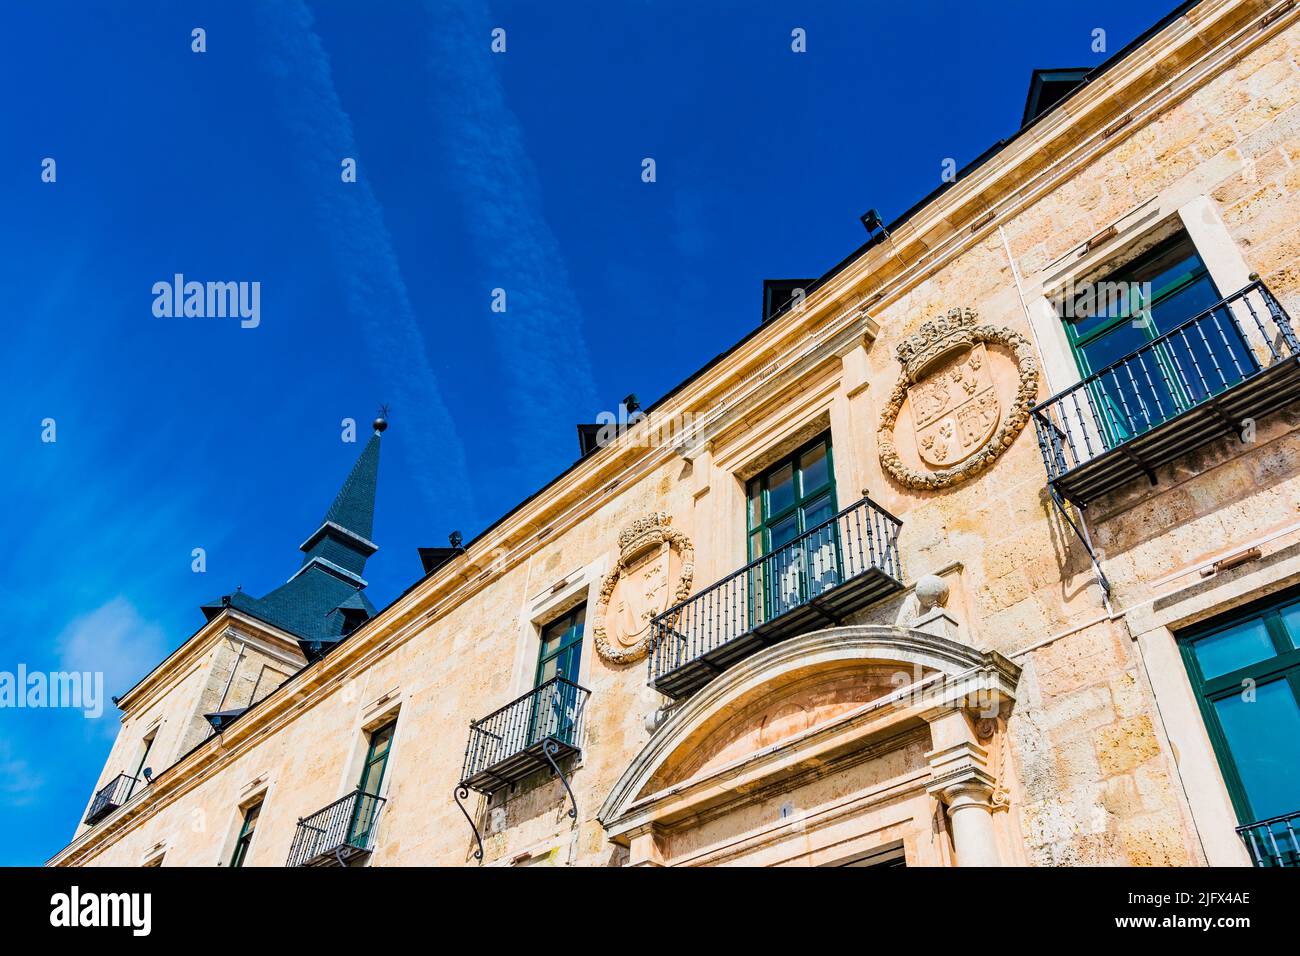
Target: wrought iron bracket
[[1229, 426], [825, 615], [549, 749], [1083, 539], [1139, 464], [462, 793]]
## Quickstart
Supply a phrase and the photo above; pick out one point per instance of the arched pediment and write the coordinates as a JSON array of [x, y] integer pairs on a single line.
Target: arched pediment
[[809, 698], [782, 698]]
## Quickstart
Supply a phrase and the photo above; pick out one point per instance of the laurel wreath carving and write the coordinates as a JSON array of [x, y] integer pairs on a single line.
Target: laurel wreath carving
[[1012, 423], [645, 532]]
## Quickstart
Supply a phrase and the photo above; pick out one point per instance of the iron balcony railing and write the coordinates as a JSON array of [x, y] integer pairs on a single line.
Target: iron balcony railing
[[339, 833], [109, 797], [525, 735], [829, 571], [1185, 388], [1273, 842]]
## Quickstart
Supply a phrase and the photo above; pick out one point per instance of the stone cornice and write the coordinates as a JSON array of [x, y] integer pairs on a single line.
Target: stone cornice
[[913, 735], [1096, 119]]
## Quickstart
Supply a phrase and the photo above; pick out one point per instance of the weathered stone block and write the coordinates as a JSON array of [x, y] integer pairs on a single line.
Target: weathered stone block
[[1126, 744], [1153, 841]]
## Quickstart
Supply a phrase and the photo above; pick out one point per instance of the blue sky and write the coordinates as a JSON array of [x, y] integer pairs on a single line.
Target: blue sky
[[476, 171]]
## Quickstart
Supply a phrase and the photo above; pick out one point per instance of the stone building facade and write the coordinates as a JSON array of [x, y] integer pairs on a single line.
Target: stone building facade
[[982, 551]]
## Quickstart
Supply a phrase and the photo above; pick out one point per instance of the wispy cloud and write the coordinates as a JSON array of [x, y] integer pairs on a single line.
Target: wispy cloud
[[352, 220], [115, 640], [20, 784], [540, 337]]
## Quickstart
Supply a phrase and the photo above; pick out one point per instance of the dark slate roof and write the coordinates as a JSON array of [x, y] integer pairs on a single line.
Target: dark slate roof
[[354, 508], [303, 604], [1049, 87], [324, 601], [434, 558]]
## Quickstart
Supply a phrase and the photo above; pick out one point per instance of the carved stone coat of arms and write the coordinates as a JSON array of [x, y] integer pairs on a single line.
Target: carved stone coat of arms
[[958, 423], [656, 564], [955, 407]]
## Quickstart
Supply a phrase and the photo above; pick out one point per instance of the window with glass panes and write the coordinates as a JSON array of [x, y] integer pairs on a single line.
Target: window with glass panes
[[245, 840], [561, 648], [554, 709], [795, 494], [1111, 318], [1246, 671], [372, 772], [789, 507], [372, 778]]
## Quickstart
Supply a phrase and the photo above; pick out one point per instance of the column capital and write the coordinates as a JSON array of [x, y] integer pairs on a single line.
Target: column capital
[[973, 790], [960, 775]]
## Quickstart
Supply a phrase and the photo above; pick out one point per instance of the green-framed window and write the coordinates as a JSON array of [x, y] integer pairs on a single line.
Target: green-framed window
[[560, 653], [246, 830], [376, 763], [372, 779], [794, 496], [1111, 318], [1245, 668], [554, 710]]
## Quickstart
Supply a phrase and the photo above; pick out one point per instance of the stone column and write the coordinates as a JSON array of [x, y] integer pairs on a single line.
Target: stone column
[[971, 814], [964, 786]]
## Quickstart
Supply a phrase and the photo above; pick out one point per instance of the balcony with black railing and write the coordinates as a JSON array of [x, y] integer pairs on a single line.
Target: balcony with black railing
[[1273, 842], [340, 833], [109, 797], [1202, 380], [828, 572], [528, 734]]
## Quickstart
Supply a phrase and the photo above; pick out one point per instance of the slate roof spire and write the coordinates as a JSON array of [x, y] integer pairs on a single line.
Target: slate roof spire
[[342, 542], [323, 602], [354, 507]]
